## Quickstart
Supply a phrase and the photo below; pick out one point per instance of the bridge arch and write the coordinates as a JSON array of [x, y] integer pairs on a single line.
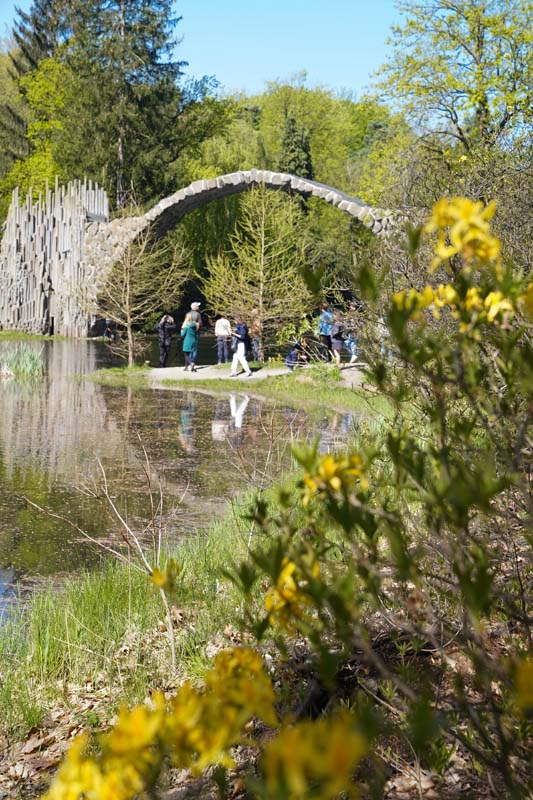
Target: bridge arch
[[55, 251], [106, 242]]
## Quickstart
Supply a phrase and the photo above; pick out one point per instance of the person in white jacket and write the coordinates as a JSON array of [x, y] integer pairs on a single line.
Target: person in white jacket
[[223, 334]]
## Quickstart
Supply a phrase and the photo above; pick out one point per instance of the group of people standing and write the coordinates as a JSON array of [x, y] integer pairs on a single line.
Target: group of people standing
[[337, 331], [237, 338], [190, 334]]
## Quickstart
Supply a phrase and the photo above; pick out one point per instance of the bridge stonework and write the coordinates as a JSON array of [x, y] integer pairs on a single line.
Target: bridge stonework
[[52, 254]]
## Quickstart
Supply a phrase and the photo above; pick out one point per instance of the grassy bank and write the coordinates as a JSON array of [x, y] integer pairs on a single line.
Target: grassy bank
[[321, 387], [303, 390], [105, 630], [134, 377]]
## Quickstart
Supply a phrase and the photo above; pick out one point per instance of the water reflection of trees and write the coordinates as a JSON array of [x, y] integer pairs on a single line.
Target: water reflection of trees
[[202, 448], [56, 424]]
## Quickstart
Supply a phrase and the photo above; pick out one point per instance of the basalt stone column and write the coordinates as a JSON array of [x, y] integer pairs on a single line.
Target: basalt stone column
[[44, 281]]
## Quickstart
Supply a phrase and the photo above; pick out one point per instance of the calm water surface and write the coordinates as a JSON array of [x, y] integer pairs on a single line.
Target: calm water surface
[[53, 432]]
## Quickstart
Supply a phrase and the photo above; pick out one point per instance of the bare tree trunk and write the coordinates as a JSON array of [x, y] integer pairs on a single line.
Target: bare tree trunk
[[131, 359]]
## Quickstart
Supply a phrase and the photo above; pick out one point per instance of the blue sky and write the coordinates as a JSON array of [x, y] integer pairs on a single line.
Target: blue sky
[[245, 43]]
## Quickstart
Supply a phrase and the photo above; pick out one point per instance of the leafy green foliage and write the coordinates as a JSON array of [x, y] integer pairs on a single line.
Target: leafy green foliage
[[464, 68], [406, 556]]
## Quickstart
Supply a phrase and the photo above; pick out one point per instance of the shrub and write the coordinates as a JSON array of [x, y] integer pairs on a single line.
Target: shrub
[[400, 568]]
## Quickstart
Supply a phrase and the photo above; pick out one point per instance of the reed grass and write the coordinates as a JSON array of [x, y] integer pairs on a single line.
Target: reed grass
[[21, 361]]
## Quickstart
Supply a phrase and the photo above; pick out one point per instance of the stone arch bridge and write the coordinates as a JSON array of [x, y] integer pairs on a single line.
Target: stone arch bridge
[[54, 250]]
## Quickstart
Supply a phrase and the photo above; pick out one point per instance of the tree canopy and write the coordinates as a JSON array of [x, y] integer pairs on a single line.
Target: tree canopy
[[463, 69]]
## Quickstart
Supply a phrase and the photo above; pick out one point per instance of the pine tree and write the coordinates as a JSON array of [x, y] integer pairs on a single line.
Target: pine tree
[[260, 278], [123, 49], [295, 155]]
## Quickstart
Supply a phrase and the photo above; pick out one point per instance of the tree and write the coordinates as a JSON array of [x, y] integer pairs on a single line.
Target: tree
[[147, 278], [123, 49], [295, 155], [260, 276], [47, 91], [36, 35], [13, 110], [463, 69]]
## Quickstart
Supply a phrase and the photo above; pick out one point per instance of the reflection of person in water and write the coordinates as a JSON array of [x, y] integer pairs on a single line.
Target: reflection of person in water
[[186, 426], [237, 413], [220, 423]]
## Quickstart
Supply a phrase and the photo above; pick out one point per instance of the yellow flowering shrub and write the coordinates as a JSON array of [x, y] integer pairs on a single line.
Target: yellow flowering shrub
[[333, 473], [314, 759], [196, 730], [463, 228], [380, 561]]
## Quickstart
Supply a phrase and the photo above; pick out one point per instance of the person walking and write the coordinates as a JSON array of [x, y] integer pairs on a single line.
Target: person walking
[[197, 318], [223, 334], [325, 322], [241, 344], [165, 328], [337, 336], [189, 334]]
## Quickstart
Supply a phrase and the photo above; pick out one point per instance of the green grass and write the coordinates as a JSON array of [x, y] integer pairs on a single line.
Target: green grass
[[104, 627], [21, 361], [300, 390], [9, 336], [319, 387]]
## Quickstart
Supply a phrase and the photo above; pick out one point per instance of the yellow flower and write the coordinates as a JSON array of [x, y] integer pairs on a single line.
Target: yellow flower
[[287, 600], [165, 579], [203, 726], [333, 474], [135, 731], [463, 228], [495, 303], [318, 756], [473, 299]]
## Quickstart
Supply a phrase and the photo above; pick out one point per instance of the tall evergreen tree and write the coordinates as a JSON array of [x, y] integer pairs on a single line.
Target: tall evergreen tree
[[123, 48], [295, 155]]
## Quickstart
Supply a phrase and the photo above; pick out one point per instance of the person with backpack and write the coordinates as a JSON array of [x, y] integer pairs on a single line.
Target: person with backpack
[[240, 346]]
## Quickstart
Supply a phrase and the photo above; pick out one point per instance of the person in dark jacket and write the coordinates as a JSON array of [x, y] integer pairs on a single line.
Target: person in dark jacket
[[241, 345], [165, 328]]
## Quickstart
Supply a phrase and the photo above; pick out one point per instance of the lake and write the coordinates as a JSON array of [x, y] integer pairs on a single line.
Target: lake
[[60, 434]]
